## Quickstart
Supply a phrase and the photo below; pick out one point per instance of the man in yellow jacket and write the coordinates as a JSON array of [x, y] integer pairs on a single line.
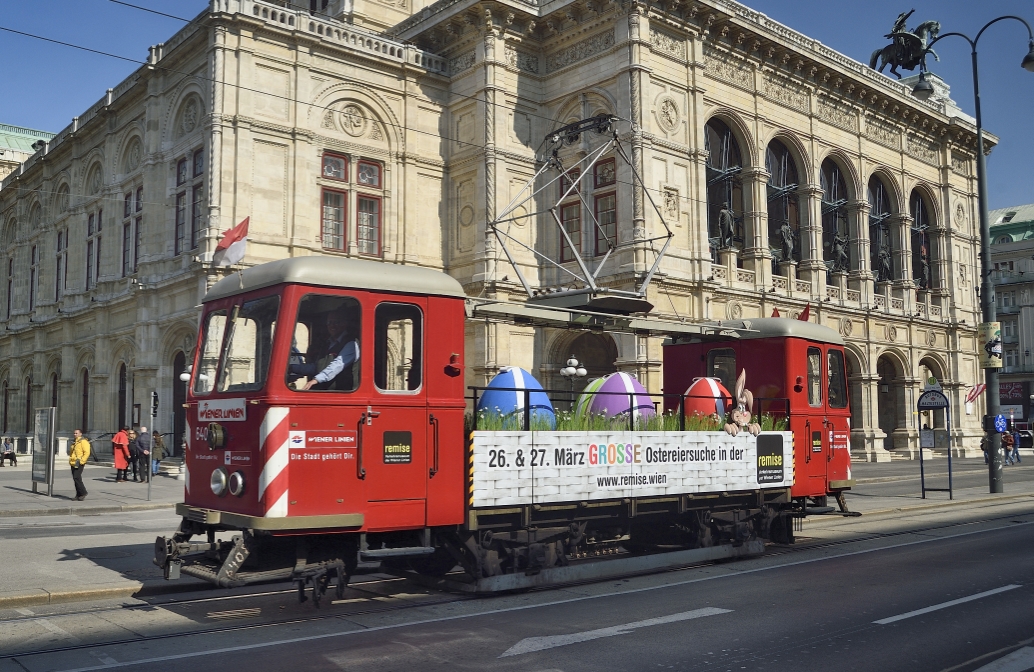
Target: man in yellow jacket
[[77, 457]]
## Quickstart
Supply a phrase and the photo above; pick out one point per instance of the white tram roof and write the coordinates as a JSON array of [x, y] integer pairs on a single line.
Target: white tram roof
[[775, 327], [338, 272]]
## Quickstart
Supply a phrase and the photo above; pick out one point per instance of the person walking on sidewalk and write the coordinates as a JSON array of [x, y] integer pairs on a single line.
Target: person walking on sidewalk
[[77, 457], [134, 455], [120, 450], [984, 443], [1007, 446], [1016, 445], [157, 453], [143, 445]]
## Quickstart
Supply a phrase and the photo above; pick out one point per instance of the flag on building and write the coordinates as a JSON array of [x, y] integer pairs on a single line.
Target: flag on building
[[775, 312], [231, 247], [975, 392]]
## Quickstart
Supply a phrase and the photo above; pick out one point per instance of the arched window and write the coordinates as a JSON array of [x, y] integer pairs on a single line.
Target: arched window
[[922, 251], [122, 387], [29, 408], [880, 241], [784, 222], [33, 276], [7, 405], [179, 397], [724, 188], [84, 419], [836, 251]]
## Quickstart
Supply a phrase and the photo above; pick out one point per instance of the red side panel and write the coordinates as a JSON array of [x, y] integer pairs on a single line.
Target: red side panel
[[446, 490]]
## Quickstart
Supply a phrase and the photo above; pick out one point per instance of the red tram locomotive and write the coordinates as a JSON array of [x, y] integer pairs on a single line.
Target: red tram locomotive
[[326, 423]]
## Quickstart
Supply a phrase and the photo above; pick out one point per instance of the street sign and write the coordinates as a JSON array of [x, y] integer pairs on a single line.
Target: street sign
[[1000, 424], [932, 400]]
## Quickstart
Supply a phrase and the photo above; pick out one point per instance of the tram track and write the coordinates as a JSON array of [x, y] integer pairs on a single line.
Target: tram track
[[444, 597]]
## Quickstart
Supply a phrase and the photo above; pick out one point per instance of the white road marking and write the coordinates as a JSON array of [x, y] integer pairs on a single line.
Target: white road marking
[[945, 605], [523, 607], [1019, 660], [104, 658], [58, 630], [532, 644], [26, 612]]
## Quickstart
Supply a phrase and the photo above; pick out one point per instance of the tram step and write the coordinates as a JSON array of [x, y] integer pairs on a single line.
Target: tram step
[[378, 553]]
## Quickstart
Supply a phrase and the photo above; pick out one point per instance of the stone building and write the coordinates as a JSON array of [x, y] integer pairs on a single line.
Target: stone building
[[16, 145], [1012, 255], [395, 131]]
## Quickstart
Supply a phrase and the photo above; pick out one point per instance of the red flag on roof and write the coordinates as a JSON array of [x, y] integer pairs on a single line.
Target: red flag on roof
[[775, 312], [231, 247], [806, 313]]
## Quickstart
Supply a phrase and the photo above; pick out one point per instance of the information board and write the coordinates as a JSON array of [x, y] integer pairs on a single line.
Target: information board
[[43, 450]]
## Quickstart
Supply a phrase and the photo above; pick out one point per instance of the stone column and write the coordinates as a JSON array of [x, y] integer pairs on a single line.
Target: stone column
[[812, 268], [860, 277], [756, 255], [490, 110], [636, 75]]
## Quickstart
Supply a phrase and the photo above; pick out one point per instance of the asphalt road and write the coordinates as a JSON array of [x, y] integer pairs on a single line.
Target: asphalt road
[[935, 595]]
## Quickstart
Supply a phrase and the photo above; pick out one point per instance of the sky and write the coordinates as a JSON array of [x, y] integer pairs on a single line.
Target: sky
[[43, 85]]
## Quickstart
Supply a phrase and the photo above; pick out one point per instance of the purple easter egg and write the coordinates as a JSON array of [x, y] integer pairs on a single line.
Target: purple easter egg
[[619, 393]]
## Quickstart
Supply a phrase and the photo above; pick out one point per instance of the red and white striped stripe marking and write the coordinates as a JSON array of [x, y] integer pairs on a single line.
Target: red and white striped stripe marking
[[272, 487], [186, 462]]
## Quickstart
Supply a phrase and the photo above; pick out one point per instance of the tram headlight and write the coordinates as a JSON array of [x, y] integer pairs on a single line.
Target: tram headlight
[[237, 484], [218, 482]]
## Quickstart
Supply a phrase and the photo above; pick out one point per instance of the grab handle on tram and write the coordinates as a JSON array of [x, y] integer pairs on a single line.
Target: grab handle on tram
[[807, 433], [434, 423], [364, 419]]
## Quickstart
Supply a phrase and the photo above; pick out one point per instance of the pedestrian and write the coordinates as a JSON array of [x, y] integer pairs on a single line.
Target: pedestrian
[[134, 454], [1016, 445], [984, 447], [1007, 446], [120, 449], [77, 457], [143, 445], [157, 453]]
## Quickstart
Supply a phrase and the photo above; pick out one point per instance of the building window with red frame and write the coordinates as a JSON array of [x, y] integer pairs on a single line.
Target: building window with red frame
[[335, 167], [369, 174], [368, 224], [333, 233], [190, 195], [607, 223], [604, 173], [571, 218]]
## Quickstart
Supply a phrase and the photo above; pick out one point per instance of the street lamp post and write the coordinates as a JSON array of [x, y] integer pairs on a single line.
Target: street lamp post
[[573, 371], [923, 90]]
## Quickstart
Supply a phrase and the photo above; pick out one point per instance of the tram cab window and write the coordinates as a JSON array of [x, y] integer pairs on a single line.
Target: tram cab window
[[814, 377], [837, 389], [208, 360], [398, 347], [721, 364], [248, 342], [325, 347]]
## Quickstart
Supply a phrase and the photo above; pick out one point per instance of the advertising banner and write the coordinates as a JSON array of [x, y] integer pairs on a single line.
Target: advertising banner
[[516, 468], [989, 344], [43, 450]]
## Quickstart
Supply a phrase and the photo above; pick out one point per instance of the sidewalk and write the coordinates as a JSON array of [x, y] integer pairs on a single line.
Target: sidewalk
[[105, 495]]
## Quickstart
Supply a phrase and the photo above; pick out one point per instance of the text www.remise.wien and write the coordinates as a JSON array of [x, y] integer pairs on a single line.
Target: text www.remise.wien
[[631, 479]]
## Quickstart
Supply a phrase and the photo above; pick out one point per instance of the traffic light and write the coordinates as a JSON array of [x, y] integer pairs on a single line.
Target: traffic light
[[154, 403]]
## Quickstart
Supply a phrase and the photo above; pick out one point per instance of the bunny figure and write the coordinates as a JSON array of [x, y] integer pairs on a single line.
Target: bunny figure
[[739, 417]]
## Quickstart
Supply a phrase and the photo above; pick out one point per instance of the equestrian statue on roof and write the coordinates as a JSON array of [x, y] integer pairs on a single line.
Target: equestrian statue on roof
[[908, 49]]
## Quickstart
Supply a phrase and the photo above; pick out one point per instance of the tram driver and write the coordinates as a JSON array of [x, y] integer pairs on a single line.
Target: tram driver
[[334, 365]]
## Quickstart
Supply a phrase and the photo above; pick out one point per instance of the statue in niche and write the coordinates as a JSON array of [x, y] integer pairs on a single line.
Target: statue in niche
[[788, 243], [883, 264], [840, 259], [924, 268], [726, 225]]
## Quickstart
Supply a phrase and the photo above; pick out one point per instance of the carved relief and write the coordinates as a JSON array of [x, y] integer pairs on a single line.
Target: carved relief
[[722, 66], [580, 51], [668, 115], [328, 119], [353, 120], [960, 163], [960, 214], [846, 327], [882, 132], [922, 149], [837, 114], [521, 61], [93, 182], [132, 156], [733, 310], [189, 116], [931, 338], [667, 44], [671, 204], [461, 63], [786, 92]]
